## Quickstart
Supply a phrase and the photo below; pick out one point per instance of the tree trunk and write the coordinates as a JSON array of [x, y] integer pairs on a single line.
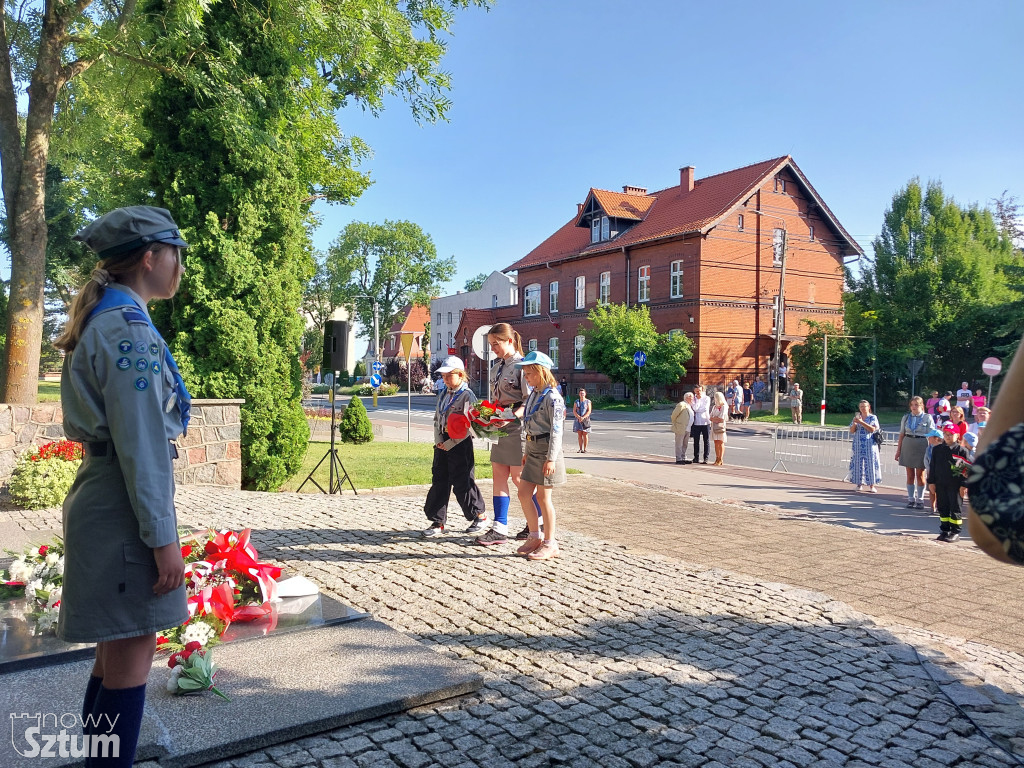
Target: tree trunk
[[27, 219]]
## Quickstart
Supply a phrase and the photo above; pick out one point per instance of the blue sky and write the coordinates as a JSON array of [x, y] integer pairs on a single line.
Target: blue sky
[[552, 97]]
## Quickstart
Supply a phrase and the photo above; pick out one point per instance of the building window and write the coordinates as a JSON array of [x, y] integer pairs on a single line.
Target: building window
[[778, 246], [531, 346], [532, 303], [605, 228], [673, 332], [595, 230], [780, 184], [810, 232], [739, 222], [439, 342], [553, 297], [606, 288], [451, 339], [577, 347], [438, 318], [494, 300], [677, 280], [449, 318], [643, 283], [581, 292], [553, 351]]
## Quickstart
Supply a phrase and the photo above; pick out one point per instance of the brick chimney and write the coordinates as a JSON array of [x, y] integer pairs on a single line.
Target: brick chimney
[[686, 178], [579, 208], [634, 190]]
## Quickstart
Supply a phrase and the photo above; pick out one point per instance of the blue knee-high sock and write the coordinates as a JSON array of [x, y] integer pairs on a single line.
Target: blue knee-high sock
[[89, 703], [540, 515], [118, 712], [500, 506]]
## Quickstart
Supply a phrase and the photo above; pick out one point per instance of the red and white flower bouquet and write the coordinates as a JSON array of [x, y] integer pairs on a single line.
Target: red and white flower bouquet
[[487, 420]]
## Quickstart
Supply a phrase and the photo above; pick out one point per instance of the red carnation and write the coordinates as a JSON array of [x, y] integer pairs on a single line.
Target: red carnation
[[193, 646], [42, 550], [186, 550]]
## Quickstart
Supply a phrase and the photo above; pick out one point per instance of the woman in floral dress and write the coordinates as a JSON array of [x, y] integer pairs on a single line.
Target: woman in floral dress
[[865, 465]]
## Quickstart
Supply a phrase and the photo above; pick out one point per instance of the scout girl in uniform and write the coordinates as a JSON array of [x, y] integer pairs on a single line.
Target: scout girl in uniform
[[543, 466], [453, 466], [124, 401], [509, 390]]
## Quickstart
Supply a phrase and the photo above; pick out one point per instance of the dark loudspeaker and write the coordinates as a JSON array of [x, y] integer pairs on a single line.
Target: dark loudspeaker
[[335, 345]]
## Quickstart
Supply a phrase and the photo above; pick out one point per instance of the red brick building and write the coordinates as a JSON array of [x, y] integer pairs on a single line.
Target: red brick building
[[705, 256]]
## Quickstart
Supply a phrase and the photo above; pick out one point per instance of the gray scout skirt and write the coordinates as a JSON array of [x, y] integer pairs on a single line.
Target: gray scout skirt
[[109, 572], [508, 450], [912, 452], [533, 469]]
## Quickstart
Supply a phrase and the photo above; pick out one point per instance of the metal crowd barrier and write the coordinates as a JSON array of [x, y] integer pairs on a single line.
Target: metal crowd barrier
[[830, 450]]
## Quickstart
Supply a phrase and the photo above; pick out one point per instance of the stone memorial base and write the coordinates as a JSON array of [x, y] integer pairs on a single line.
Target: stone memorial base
[[282, 686]]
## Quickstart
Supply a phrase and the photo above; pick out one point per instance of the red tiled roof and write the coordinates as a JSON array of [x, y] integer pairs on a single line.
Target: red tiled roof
[[622, 205], [415, 319], [674, 211]]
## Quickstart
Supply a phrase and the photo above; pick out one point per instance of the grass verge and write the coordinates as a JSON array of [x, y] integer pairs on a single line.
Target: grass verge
[[379, 465]]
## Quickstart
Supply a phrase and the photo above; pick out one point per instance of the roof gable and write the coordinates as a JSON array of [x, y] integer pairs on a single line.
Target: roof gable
[[675, 211], [619, 205]]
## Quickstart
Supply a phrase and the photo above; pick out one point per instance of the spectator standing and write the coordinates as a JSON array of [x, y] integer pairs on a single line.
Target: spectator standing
[[981, 416], [865, 464], [682, 418], [977, 401], [758, 390], [964, 398], [454, 465], [736, 404], [783, 377], [796, 403], [563, 388], [957, 419], [911, 447], [701, 427], [932, 405], [719, 417], [581, 411], [942, 408], [748, 400], [942, 475]]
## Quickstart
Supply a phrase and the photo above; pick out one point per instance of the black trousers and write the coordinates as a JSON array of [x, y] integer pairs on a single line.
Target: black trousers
[[947, 503], [698, 431], [453, 470]]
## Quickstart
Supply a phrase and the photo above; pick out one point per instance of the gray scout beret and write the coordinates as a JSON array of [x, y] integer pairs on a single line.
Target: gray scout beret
[[124, 230]]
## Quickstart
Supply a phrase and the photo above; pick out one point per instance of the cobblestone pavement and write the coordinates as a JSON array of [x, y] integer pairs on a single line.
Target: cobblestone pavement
[[613, 657]]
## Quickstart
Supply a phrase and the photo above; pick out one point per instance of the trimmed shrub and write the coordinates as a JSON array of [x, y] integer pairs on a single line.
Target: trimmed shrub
[[355, 424], [43, 476]]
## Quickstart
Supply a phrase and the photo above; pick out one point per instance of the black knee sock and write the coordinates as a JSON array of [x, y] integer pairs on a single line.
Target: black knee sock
[[91, 692], [118, 712]]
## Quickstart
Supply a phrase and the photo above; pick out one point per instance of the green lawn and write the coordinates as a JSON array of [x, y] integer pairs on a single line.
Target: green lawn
[[380, 465], [813, 417], [49, 391]]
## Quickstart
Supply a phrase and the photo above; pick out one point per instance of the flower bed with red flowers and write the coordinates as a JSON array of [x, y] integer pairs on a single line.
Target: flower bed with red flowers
[[43, 476]]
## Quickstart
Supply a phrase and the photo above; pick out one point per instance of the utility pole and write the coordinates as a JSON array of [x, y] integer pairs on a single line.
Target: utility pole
[[780, 313]]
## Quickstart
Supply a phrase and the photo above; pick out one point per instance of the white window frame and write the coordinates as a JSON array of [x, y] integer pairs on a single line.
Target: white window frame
[[531, 300], [553, 350], [739, 222], [605, 290], [451, 339], [676, 279], [553, 296], [531, 345], [581, 292], [595, 229], [606, 228], [494, 300], [643, 283], [810, 232], [577, 347]]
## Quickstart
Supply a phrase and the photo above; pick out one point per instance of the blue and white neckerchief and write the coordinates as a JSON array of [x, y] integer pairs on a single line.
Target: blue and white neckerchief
[[112, 299], [447, 405], [537, 404], [913, 422], [497, 379]]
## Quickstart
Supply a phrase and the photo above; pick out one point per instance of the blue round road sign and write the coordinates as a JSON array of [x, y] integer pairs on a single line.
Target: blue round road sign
[[639, 358], [375, 380], [377, 366]]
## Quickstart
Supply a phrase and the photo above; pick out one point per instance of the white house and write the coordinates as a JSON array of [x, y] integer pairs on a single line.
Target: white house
[[498, 290]]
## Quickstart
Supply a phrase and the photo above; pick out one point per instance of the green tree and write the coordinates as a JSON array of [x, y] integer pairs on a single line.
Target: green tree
[[355, 426], [844, 370], [339, 53], [618, 332], [937, 271], [476, 283], [394, 263]]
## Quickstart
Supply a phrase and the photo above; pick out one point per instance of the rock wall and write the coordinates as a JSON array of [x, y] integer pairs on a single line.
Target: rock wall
[[210, 455]]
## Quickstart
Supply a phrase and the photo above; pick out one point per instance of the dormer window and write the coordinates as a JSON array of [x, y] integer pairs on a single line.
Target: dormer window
[[609, 214], [600, 229]]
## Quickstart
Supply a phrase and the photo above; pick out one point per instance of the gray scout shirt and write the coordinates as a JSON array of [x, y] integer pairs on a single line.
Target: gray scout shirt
[[545, 414], [449, 402], [507, 383], [114, 387]]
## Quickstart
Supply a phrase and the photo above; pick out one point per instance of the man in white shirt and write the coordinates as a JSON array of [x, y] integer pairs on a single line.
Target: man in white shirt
[[701, 423], [963, 397]]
